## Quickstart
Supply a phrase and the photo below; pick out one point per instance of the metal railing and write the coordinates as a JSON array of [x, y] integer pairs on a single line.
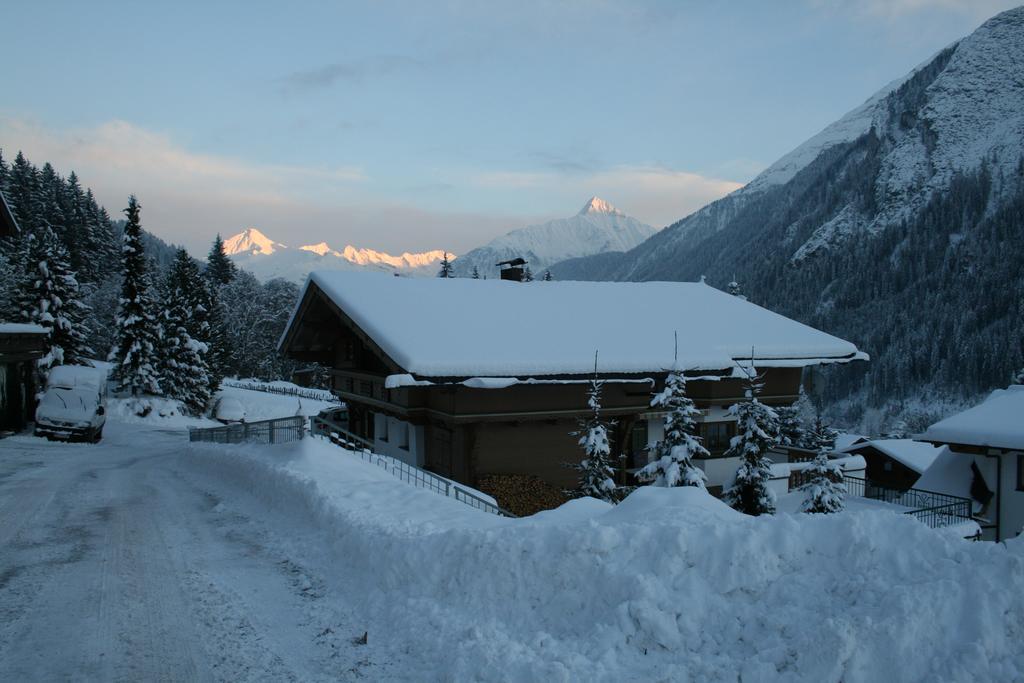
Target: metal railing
[[280, 430], [298, 392], [410, 474], [930, 507]]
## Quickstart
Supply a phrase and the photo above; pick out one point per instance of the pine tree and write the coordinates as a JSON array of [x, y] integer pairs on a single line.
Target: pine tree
[[824, 491], [476, 273], [48, 295], [820, 436], [446, 267], [791, 428], [219, 268], [735, 290], [547, 276], [527, 274], [209, 326], [757, 430], [597, 478], [1019, 377], [135, 351], [184, 369], [673, 464]]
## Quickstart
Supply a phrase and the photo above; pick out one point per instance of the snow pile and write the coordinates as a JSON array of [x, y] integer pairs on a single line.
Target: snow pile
[[260, 405], [154, 411], [669, 585]]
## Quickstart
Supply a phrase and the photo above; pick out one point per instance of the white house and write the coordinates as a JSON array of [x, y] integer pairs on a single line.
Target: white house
[[984, 461]]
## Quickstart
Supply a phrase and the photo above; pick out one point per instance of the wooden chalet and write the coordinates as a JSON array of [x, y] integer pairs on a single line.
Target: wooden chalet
[[476, 377], [20, 347], [896, 464]]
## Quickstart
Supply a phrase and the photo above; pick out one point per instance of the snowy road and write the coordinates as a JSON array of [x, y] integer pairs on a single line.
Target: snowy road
[[117, 563]]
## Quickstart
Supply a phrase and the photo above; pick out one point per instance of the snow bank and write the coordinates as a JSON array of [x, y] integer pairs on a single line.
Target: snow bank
[[669, 585], [160, 412], [260, 405]]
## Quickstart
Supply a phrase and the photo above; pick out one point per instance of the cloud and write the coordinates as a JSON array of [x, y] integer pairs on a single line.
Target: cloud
[[187, 196], [652, 193], [329, 74]]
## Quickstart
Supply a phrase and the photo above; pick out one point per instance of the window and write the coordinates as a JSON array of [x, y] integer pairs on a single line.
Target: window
[[1020, 472], [638, 437], [717, 435], [381, 427], [403, 435]]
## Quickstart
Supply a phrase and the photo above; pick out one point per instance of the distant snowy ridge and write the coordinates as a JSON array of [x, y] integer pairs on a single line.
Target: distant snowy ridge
[[598, 228], [268, 259]]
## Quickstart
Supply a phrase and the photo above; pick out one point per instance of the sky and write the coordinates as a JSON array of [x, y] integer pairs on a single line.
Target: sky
[[408, 126]]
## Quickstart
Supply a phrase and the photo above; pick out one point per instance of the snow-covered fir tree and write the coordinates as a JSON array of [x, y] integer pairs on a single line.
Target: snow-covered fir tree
[[184, 368], [757, 432], [824, 490], [1019, 377], [674, 453], [547, 276], [446, 267], [735, 289], [219, 268], [820, 435], [476, 273], [48, 295], [527, 274], [135, 351], [791, 427], [597, 478]]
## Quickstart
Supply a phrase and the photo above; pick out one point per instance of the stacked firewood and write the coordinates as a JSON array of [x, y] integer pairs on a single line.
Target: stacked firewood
[[521, 494]]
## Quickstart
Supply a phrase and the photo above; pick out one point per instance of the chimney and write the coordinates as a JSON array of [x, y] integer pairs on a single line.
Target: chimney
[[512, 269]]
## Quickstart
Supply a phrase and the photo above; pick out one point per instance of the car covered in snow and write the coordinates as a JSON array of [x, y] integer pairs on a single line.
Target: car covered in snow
[[337, 416], [228, 410], [74, 405]]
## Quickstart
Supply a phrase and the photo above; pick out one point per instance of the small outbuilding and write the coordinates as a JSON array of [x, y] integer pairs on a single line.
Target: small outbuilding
[[894, 463], [21, 345]]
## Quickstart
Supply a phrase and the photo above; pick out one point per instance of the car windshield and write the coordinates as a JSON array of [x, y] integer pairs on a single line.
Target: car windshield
[[68, 402]]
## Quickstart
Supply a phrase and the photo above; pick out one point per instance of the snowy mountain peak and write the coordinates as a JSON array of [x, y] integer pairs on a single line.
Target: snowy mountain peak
[[598, 205], [320, 248], [251, 241]]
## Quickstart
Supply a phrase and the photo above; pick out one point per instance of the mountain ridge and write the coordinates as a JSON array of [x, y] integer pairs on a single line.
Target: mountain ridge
[[898, 228]]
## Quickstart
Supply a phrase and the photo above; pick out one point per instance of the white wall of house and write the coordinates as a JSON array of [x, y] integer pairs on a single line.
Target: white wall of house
[[398, 439], [1011, 499]]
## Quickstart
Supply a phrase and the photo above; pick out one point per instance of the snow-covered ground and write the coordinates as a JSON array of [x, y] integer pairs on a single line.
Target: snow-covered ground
[[143, 558]]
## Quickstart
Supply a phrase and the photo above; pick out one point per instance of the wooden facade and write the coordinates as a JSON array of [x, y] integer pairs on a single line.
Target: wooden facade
[[19, 352], [8, 225], [466, 433]]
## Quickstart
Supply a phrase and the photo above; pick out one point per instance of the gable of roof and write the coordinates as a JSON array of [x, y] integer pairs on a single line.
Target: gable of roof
[[8, 224], [993, 423], [460, 327]]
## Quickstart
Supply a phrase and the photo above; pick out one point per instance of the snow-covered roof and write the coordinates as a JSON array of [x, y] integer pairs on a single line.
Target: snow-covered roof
[[437, 327], [22, 328], [845, 440], [916, 455], [994, 423]]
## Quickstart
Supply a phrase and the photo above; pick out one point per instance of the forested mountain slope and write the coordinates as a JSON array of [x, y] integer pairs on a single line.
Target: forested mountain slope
[[900, 228]]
